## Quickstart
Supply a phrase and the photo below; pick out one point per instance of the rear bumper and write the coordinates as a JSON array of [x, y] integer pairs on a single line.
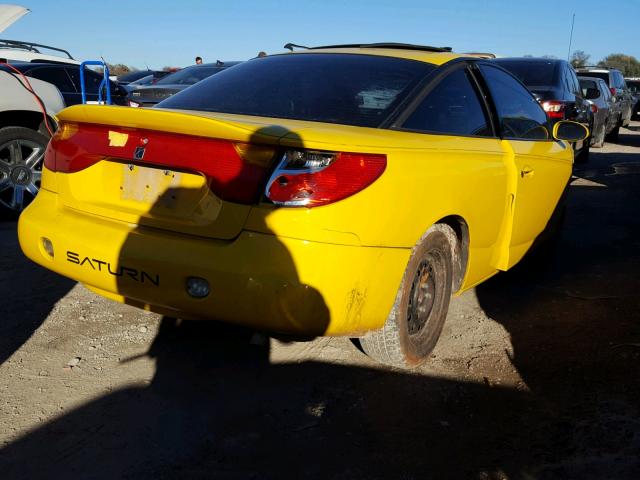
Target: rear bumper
[[259, 280]]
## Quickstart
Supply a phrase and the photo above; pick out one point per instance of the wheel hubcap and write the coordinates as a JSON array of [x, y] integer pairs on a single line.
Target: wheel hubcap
[[20, 172], [422, 298], [20, 175]]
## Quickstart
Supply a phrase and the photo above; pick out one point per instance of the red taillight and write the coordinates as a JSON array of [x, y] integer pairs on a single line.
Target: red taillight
[[236, 172], [312, 178], [613, 91], [554, 108], [594, 108]]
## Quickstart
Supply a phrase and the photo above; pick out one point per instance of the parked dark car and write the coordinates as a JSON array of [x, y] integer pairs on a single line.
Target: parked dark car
[[174, 83], [145, 81], [127, 78], [67, 79], [602, 107], [634, 86], [141, 82], [555, 85], [619, 90]]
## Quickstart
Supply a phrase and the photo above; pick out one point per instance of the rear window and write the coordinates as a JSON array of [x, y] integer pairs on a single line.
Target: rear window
[[189, 76], [533, 74], [603, 75], [588, 84], [634, 86], [357, 90]]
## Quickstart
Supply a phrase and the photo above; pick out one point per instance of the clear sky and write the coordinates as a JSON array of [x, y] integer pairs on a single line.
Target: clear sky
[[172, 32]]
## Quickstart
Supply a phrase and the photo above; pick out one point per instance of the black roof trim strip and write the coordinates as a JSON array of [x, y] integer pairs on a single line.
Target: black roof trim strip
[[400, 46]]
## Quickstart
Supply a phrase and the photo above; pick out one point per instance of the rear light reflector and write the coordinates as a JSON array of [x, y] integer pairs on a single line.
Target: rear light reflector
[[235, 172], [594, 108], [613, 91], [554, 108], [313, 178]]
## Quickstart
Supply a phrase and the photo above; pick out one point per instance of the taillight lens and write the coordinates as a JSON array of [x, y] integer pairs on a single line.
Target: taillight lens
[[594, 108], [236, 172], [554, 108], [313, 178], [613, 91]]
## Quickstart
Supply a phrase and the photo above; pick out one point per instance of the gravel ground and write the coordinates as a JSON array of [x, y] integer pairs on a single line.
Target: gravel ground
[[536, 375]]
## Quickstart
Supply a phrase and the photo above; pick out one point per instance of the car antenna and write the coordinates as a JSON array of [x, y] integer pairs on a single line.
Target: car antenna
[[291, 46]]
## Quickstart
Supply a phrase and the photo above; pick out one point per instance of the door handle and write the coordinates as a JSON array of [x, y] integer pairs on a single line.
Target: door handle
[[526, 172]]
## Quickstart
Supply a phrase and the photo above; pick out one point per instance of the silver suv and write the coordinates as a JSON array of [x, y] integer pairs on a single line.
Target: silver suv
[[622, 96]]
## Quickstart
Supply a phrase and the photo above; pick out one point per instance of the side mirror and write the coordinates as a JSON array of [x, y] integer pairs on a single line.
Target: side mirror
[[570, 131], [592, 93]]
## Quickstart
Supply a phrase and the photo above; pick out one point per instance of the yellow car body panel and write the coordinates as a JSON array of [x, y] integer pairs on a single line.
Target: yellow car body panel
[[263, 281], [436, 58], [333, 269]]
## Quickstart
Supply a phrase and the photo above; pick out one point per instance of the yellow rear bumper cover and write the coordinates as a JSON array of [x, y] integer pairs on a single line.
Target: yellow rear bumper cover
[[259, 280]]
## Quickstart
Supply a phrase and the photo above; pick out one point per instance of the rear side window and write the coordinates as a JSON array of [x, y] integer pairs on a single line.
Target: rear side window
[[452, 107], [92, 80], [55, 76], [521, 117], [534, 73], [587, 84], [357, 90], [573, 80]]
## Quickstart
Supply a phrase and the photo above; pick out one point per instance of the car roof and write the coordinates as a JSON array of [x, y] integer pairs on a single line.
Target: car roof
[[596, 69], [592, 79], [28, 65], [529, 60], [436, 58], [216, 64]]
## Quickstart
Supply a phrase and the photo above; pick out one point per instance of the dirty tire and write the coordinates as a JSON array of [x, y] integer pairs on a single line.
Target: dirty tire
[[422, 302], [614, 134], [583, 156], [597, 141]]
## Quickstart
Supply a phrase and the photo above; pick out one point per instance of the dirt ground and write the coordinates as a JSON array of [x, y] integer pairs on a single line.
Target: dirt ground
[[536, 375]]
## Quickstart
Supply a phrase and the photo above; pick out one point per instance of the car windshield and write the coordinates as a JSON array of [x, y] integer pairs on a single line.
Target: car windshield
[[532, 74], [189, 75], [337, 88]]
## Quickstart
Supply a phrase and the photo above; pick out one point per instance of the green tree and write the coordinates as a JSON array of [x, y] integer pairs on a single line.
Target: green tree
[[119, 69], [627, 64], [579, 59]]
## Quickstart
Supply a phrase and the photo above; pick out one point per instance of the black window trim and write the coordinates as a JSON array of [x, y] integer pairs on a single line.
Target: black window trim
[[495, 110], [387, 121], [431, 82], [52, 67]]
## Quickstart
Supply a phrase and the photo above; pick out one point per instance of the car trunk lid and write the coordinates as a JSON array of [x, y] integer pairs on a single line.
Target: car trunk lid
[[162, 169]]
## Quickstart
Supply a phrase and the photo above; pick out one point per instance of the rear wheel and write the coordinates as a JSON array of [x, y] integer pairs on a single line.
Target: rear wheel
[[417, 317], [21, 158], [597, 141], [613, 135], [583, 156]]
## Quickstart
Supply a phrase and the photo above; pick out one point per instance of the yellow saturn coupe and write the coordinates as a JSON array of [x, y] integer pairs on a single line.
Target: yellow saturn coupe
[[342, 190]]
